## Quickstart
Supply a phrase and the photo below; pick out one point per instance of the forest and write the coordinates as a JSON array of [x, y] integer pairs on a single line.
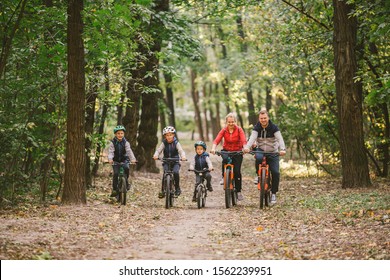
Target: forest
[[70, 71]]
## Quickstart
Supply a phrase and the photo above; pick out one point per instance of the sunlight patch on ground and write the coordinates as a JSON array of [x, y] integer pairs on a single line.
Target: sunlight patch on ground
[[293, 168]]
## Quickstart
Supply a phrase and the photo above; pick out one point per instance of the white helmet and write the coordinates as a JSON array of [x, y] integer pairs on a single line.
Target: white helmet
[[169, 129]]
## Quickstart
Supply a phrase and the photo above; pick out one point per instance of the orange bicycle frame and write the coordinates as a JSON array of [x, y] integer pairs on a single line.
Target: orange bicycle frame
[[261, 166], [231, 175]]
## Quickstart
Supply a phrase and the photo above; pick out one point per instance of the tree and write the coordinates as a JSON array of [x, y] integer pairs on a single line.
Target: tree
[[74, 187], [349, 98]]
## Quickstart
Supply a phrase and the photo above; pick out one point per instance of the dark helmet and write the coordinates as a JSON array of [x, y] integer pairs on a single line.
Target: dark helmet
[[201, 143], [119, 127]]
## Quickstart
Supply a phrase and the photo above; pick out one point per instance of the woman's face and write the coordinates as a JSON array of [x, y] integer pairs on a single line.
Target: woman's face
[[230, 122]]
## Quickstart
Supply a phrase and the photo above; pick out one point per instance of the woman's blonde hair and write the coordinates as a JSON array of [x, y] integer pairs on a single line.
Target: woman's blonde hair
[[231, 115]]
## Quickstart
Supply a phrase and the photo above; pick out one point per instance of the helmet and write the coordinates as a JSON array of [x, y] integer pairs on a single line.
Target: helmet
[[169, 129], [201, 143], [119, 127]]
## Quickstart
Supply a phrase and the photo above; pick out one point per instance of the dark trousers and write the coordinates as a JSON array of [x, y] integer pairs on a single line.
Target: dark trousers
[[175, 169], [273, 162], [236, 161], [115, 168], [207, 176]]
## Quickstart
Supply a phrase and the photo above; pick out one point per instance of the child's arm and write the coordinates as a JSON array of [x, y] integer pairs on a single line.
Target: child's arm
[[209, 163], [181, 151], [158, 151]]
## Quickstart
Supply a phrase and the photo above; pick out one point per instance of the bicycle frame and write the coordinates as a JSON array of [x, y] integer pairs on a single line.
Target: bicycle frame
[[200, 187], [228, 186], [263, 184], [169, 177]]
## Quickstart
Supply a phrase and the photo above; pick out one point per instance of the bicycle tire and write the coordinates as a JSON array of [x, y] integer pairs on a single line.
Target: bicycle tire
[[227, 188], [122, 190], [167, 192], [234, 194], [268, 193], [172, 192], [199, 196], [262, 188]]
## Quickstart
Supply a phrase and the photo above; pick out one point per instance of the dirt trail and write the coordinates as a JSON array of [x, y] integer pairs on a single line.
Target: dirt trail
[[313, 219]]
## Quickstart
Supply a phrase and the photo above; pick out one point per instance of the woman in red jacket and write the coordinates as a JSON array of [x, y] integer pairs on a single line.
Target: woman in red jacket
[[234, 140]]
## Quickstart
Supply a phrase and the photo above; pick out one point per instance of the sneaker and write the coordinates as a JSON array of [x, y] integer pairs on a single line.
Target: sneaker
[[221, 182], [177, 192], [273, 198], [114, 193], [239, 196], [256, 180], [194, 198], [210, 188], [128, 187], [161, 195]]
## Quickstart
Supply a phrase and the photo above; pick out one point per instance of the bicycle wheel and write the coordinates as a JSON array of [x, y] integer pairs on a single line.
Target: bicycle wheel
[[234, 194], [267, 197], [262, 188], [199, 196], [228, 193], [204, 195], [122, 190], [172, 192], [167, 189]]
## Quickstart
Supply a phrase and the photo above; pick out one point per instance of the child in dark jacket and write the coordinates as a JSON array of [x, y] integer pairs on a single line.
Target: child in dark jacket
[[171, 148], [119, 151], [202, 161]]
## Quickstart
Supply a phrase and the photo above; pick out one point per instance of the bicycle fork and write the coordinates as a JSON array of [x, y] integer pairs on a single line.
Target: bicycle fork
[[231, 175]]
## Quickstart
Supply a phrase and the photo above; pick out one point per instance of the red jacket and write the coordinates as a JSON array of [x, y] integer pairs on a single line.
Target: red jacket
[[232, 141]]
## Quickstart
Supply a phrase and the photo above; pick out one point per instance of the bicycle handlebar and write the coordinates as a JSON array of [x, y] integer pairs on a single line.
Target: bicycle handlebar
[[171, 159], [199, 171], [262, 152], [124, 163], [229, 153]]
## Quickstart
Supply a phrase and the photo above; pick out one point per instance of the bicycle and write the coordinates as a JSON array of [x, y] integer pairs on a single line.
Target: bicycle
[[200, 189], [264, 180], [169, 182], [228, 177], [123, 185]]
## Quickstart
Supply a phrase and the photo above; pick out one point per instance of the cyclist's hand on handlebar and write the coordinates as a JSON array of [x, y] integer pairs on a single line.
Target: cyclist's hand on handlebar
[[212, 152], [133, 161], [155, 158], [245, 150], [110, 161], [183, 159], [282, 153]]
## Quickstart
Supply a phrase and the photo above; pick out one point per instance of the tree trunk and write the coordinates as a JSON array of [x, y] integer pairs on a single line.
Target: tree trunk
[[74, 187], [170, 99], [7, 37], [206, 119], [195, 99], [101, 121], [349, 98], [89, 124]]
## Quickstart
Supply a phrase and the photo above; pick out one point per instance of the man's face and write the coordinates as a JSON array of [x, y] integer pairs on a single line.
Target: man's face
[[263, 118]]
